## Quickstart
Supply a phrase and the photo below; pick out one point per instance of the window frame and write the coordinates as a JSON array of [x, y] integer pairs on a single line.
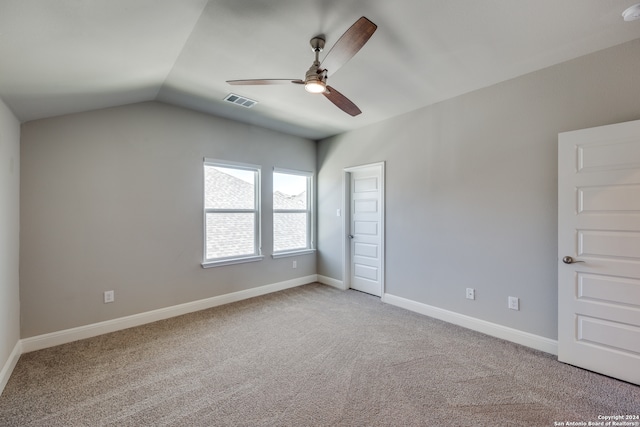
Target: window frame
[[257, 211], [310, 244]]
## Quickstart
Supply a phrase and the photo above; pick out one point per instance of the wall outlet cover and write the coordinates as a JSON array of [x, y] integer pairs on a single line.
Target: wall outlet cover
[[471, 293], [109, 296]]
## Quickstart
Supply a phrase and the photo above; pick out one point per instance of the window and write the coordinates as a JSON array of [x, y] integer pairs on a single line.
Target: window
[[231, 213], [292, 212]]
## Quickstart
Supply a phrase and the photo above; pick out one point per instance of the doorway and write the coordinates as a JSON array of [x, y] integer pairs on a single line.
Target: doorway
[[364, 228]]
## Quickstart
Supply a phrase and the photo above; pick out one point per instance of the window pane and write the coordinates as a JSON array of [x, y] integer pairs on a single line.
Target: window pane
[[289, 231], [227, 188], [289, 191], [230, 234]]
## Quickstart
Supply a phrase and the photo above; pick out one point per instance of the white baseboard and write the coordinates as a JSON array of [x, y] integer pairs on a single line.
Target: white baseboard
[[519, 337], [331, 282], [7, 369], [74, 334]]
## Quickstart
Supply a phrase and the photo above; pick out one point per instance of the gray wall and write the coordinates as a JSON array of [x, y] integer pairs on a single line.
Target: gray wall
[[471, 187], [9, 232], [112, 199]]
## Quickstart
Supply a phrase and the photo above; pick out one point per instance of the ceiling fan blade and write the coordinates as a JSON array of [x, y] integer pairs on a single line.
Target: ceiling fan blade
[[348, 45], [264, 81], [341, 101]]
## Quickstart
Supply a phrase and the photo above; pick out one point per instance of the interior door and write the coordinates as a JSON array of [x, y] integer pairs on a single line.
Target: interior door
[[599, 250], [366, 229]]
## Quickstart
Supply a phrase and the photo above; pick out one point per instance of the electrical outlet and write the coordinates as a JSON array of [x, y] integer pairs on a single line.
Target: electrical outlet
[[109, 296], [295, 264], [514, 303], [471, 293]]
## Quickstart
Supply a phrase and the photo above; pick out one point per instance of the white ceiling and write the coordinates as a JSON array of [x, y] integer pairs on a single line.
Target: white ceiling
[[66, 56]]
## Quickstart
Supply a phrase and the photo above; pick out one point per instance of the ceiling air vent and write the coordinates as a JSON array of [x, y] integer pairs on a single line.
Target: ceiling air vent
[[240, 100]]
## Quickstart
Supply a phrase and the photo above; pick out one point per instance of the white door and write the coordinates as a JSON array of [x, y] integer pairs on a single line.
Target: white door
[[366, 226], [599, 229]]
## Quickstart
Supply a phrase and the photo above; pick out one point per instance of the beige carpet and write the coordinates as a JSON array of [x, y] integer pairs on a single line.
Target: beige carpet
[[309, 356]]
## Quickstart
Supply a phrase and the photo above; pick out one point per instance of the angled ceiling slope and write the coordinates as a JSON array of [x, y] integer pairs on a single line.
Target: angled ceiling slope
[[65, 56]]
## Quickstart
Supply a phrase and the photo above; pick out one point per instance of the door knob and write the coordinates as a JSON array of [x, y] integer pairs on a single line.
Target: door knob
[[350, 236], [569, 260]]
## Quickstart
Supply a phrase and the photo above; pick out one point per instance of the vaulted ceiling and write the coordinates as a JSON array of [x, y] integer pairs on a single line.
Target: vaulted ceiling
[[65, 56]]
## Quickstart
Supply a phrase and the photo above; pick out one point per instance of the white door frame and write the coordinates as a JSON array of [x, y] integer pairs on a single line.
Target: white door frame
[[346, 224]]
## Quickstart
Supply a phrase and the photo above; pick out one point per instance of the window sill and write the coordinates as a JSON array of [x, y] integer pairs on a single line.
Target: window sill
[[210, 264], [293, 253]]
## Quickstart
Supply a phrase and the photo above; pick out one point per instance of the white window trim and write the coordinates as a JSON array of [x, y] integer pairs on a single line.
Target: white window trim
[[295, 252], [257, 255], [310, 215], [231, 261]]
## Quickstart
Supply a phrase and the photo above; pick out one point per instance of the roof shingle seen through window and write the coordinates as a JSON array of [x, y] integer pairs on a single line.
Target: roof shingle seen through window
[[231, 234], [228, 234], [224, 191], [288, 201]]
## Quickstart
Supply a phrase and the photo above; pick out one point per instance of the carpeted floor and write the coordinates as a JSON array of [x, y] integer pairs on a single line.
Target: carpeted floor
[[308, 356]]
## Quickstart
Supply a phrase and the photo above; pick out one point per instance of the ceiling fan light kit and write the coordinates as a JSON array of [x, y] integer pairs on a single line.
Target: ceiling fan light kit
[[315, 86], [315, 80]]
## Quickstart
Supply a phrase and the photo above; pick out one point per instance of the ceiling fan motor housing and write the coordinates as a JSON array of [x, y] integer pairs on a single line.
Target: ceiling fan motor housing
[[314, 74]]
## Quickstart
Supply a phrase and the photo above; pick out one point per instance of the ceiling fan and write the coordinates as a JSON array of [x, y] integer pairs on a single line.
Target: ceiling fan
[[315, 80]]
